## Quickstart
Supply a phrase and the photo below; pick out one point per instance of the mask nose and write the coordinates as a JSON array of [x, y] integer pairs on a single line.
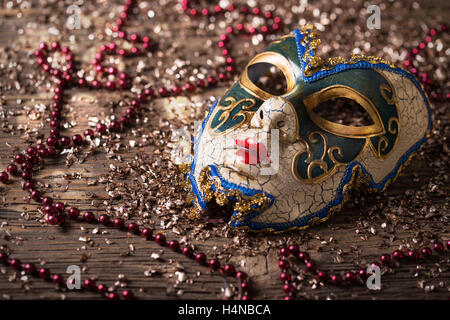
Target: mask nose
[[277, 113]]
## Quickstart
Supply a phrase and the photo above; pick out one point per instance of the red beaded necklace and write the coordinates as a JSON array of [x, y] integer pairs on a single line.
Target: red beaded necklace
[[67, 78]]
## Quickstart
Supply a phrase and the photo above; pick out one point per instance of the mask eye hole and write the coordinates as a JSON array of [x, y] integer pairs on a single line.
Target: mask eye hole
[[268, 74], [350, 123], [343, 111], [268, 78]]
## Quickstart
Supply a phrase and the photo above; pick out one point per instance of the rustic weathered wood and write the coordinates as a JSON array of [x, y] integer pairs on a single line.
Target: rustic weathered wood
[[60, 248]]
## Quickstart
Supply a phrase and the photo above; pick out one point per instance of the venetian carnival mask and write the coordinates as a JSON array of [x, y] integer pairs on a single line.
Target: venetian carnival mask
[[279, 163]]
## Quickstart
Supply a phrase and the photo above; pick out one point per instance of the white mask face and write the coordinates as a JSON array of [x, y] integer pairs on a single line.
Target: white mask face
[[280, 163]]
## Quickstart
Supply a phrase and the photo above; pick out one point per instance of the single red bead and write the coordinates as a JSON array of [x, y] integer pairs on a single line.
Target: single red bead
[[96, 84], [43, 153], [56, 115], [48, 209], [119, 223], [26, 165], [242, 276], [33, 159], [284, 252], [57, 279], [29, 185], [287, 298], [160, 239], [146, 233], [54, 132], [336, 279], [88, 133], [285, 277], [103, 219], [426, 252], [212, 81], [448, 244], [283, 264], [53, 220], [438, 247], [303, 256], [77, 139], [127, 295], [30, 268], [385, 259], [187, 251], [245, 286], [65, 141], [89, 284], [214, 264], [101, 288], [350, 276], [288, 288], [294, 249], [201, 83], [112, 46], [200, 258], [163, 92], [223, 77], [15, 263], [44, 273], [131, 112], [149, 92], [88, 216], [55, 45], [110, 85], [38, 53], [189, 87], [20, 158], [398, 255], [113, 296], [26, 175], [112, 70], [35, 195], [135, 103], [322, 276], [59, 207], [229, 270], [133, 227], [176, 89], [12, 169], [82, 82], [51, 152], [174, 245], [114, 126], [51, 141], [311, 266], [412, 255], [4, 177], [74, 212], [363, 274], [31, 151], [101, 128]]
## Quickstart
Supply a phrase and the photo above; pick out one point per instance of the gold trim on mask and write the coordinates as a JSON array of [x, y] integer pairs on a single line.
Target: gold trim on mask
[[275, 59], [342, 91], [315, 64]]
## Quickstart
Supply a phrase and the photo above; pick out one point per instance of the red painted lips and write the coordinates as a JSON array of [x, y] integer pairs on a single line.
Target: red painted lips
[[252, 152]]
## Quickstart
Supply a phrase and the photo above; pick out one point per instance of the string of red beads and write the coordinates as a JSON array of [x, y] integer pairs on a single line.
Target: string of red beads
[[58, 279], [66, 79], [350, 277], [412, 64]]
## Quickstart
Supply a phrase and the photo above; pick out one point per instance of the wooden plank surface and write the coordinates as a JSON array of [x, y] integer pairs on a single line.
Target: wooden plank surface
[[341, 244]]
